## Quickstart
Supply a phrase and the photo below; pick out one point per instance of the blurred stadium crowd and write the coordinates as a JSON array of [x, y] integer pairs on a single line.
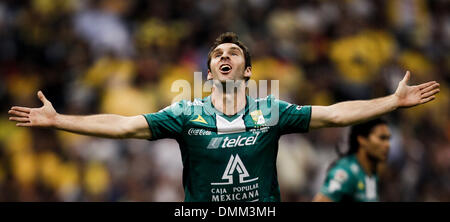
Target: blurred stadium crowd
[[115, 56]]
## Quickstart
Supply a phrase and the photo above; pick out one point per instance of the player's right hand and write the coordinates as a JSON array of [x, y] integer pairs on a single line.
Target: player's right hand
[[44, 116]]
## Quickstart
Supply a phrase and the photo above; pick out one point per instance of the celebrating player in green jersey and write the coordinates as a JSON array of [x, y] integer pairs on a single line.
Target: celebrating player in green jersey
[[228, 140], [353, 177]]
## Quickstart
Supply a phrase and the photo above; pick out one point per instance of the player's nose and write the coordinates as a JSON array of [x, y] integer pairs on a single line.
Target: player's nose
[[387, 147], [224, 57]]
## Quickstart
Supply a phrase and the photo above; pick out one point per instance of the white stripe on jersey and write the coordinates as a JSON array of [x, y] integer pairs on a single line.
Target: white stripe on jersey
[[235, 126]]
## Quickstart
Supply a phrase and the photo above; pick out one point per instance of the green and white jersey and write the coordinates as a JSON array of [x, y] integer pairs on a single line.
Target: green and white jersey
[[229, 158], [347, 181]]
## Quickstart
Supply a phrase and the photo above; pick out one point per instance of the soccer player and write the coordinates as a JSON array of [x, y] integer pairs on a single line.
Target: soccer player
[[353, 177], [228, 140]]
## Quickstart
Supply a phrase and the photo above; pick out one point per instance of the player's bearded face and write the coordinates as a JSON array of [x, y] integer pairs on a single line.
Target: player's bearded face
[[378, 143], [228, 63]]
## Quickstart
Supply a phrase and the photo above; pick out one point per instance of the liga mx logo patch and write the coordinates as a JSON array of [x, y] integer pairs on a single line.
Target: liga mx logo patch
[[258, 117]]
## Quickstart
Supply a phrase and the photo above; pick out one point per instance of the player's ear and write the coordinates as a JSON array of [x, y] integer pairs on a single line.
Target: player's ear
[[210, 76], [362, 141], [248, 72]]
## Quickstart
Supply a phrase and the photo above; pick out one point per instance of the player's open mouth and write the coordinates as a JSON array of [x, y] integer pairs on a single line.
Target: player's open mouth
[[225, 68]]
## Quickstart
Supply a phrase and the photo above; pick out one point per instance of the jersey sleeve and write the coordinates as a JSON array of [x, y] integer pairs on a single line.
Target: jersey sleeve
[[338, 184], [168, 122], [293, 118]]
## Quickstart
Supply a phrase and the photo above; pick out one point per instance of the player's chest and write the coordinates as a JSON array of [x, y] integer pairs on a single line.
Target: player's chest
[[366, 189], [215, 135]]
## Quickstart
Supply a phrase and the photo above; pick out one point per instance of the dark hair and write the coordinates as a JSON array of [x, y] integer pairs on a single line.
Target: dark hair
[[362, 129], [231, 37]]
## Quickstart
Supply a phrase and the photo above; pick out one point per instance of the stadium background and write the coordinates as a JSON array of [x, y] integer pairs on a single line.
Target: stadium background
[[114, 56]]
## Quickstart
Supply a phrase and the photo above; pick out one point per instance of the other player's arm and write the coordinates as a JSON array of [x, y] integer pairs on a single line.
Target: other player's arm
[[101, 125], [354, 112]]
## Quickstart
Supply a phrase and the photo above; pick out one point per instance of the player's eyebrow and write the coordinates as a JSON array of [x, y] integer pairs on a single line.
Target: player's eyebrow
[[235, 48], [216, 51]]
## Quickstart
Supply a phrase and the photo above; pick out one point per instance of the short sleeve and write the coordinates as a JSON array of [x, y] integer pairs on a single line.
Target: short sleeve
[[168, 122], [293, 118], [338, 184]]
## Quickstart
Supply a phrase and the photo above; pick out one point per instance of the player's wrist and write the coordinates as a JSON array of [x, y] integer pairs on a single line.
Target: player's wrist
[[395, 101], [55, 121]]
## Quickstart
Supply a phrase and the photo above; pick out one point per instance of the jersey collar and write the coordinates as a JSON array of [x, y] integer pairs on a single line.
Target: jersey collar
[[250, 105]]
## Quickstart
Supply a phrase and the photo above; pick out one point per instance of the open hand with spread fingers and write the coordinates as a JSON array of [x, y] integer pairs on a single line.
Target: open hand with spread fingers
[[34, 117], [409, 96]]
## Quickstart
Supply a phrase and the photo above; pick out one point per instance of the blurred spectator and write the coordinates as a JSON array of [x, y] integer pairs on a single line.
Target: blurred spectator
[[100, 24]]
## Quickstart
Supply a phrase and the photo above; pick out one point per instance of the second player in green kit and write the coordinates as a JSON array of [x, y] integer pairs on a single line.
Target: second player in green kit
[[354, 177]]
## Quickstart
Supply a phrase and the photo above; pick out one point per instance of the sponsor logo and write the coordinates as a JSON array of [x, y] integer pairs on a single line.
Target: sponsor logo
[[341, 175], [360, 185], [235, 164], [198, 132], [231, 143], [199, 120], [334, 185], [214, 143]]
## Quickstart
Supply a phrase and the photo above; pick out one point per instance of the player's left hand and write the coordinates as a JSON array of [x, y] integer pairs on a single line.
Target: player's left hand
[[409, 96]]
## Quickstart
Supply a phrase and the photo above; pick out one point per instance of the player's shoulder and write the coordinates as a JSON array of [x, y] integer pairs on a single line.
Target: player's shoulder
[[347, 164], [183, 106], [197, 106], [195, 102], [190, 103], [269, 100], [269, 97], [264, 103], [283, 105]]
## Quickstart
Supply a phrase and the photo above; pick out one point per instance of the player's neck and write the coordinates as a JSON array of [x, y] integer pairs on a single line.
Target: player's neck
[[229, 103], [369, 166]]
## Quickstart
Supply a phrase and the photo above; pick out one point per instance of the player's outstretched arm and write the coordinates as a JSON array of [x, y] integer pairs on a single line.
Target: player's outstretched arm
[[354, 112], [102, 125]]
